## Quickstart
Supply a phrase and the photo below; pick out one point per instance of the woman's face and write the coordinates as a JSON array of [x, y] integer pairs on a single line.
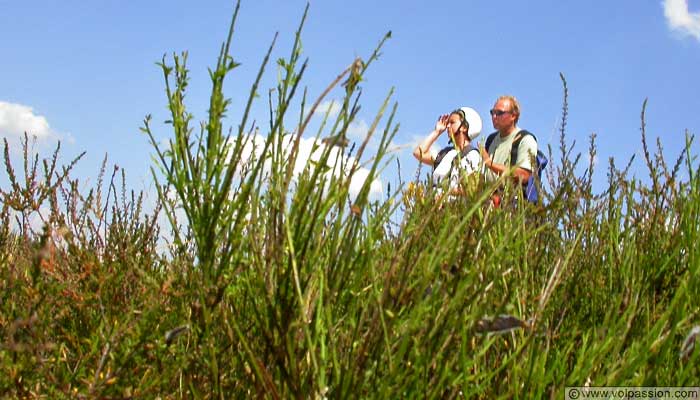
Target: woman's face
[[457, 132]]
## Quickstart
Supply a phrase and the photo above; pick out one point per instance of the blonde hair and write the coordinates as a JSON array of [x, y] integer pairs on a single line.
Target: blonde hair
[[514, 105]]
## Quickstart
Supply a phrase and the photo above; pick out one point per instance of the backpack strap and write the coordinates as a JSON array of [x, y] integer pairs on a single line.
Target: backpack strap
[[466, 152], [441, 155], [489, 140], [516, 143], [514, 147]]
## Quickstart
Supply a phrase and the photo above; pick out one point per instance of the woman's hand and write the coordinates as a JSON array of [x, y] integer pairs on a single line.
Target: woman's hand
[[422, 151], [441, 123]]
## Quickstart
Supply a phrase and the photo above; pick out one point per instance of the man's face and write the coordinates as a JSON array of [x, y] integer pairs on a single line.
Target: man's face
[[502, 115]]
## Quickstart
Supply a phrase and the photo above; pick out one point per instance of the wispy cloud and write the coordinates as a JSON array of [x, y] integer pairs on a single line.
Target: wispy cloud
[[357, 130], [680, 19], [331, 107], [16, 119]]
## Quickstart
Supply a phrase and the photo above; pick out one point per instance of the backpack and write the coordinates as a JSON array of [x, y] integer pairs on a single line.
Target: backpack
[[529, 187]]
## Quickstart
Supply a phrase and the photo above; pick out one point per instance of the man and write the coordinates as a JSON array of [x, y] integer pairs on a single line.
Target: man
[[497, 157]]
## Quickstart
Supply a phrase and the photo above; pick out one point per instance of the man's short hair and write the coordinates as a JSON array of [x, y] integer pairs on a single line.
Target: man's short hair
[[514, 105]]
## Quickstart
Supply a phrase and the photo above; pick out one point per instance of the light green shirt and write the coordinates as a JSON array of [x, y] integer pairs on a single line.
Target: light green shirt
[[500, 153]]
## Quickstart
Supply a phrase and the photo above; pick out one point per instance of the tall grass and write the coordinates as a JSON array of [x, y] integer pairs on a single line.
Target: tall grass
[[280, 285]]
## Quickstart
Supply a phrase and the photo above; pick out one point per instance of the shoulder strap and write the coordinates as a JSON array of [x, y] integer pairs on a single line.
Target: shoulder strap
[[466, 152], [516, 142], [489, 140], [441, 155]]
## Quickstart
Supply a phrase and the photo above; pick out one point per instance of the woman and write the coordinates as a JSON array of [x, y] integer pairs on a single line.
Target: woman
[[462, 126]]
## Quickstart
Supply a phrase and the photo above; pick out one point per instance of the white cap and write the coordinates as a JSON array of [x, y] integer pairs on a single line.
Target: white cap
[[474, 121]]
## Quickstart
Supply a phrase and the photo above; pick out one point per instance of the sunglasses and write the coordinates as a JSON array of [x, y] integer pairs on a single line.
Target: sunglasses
[[497, 113]]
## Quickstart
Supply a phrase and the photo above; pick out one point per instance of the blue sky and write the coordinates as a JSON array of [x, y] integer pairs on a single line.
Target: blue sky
[[85, 73]]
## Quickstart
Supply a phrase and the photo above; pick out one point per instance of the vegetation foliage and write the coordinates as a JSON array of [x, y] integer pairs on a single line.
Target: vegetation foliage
[[274, 288]]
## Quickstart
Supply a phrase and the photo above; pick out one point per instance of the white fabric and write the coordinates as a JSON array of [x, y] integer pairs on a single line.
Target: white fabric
[[467, 165], [474, 121]]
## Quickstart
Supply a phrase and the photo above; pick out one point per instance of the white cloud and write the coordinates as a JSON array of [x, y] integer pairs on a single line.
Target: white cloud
[[331, 107], [358, 130], [16, 119], [415, 140], [680, 19], [395, 147], [359, 179], [309, 155]]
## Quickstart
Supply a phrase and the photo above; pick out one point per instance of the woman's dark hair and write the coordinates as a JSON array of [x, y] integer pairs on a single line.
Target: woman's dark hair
[[462, 117]]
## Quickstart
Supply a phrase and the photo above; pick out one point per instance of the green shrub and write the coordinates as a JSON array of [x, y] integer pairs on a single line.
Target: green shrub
[[284, 286]]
